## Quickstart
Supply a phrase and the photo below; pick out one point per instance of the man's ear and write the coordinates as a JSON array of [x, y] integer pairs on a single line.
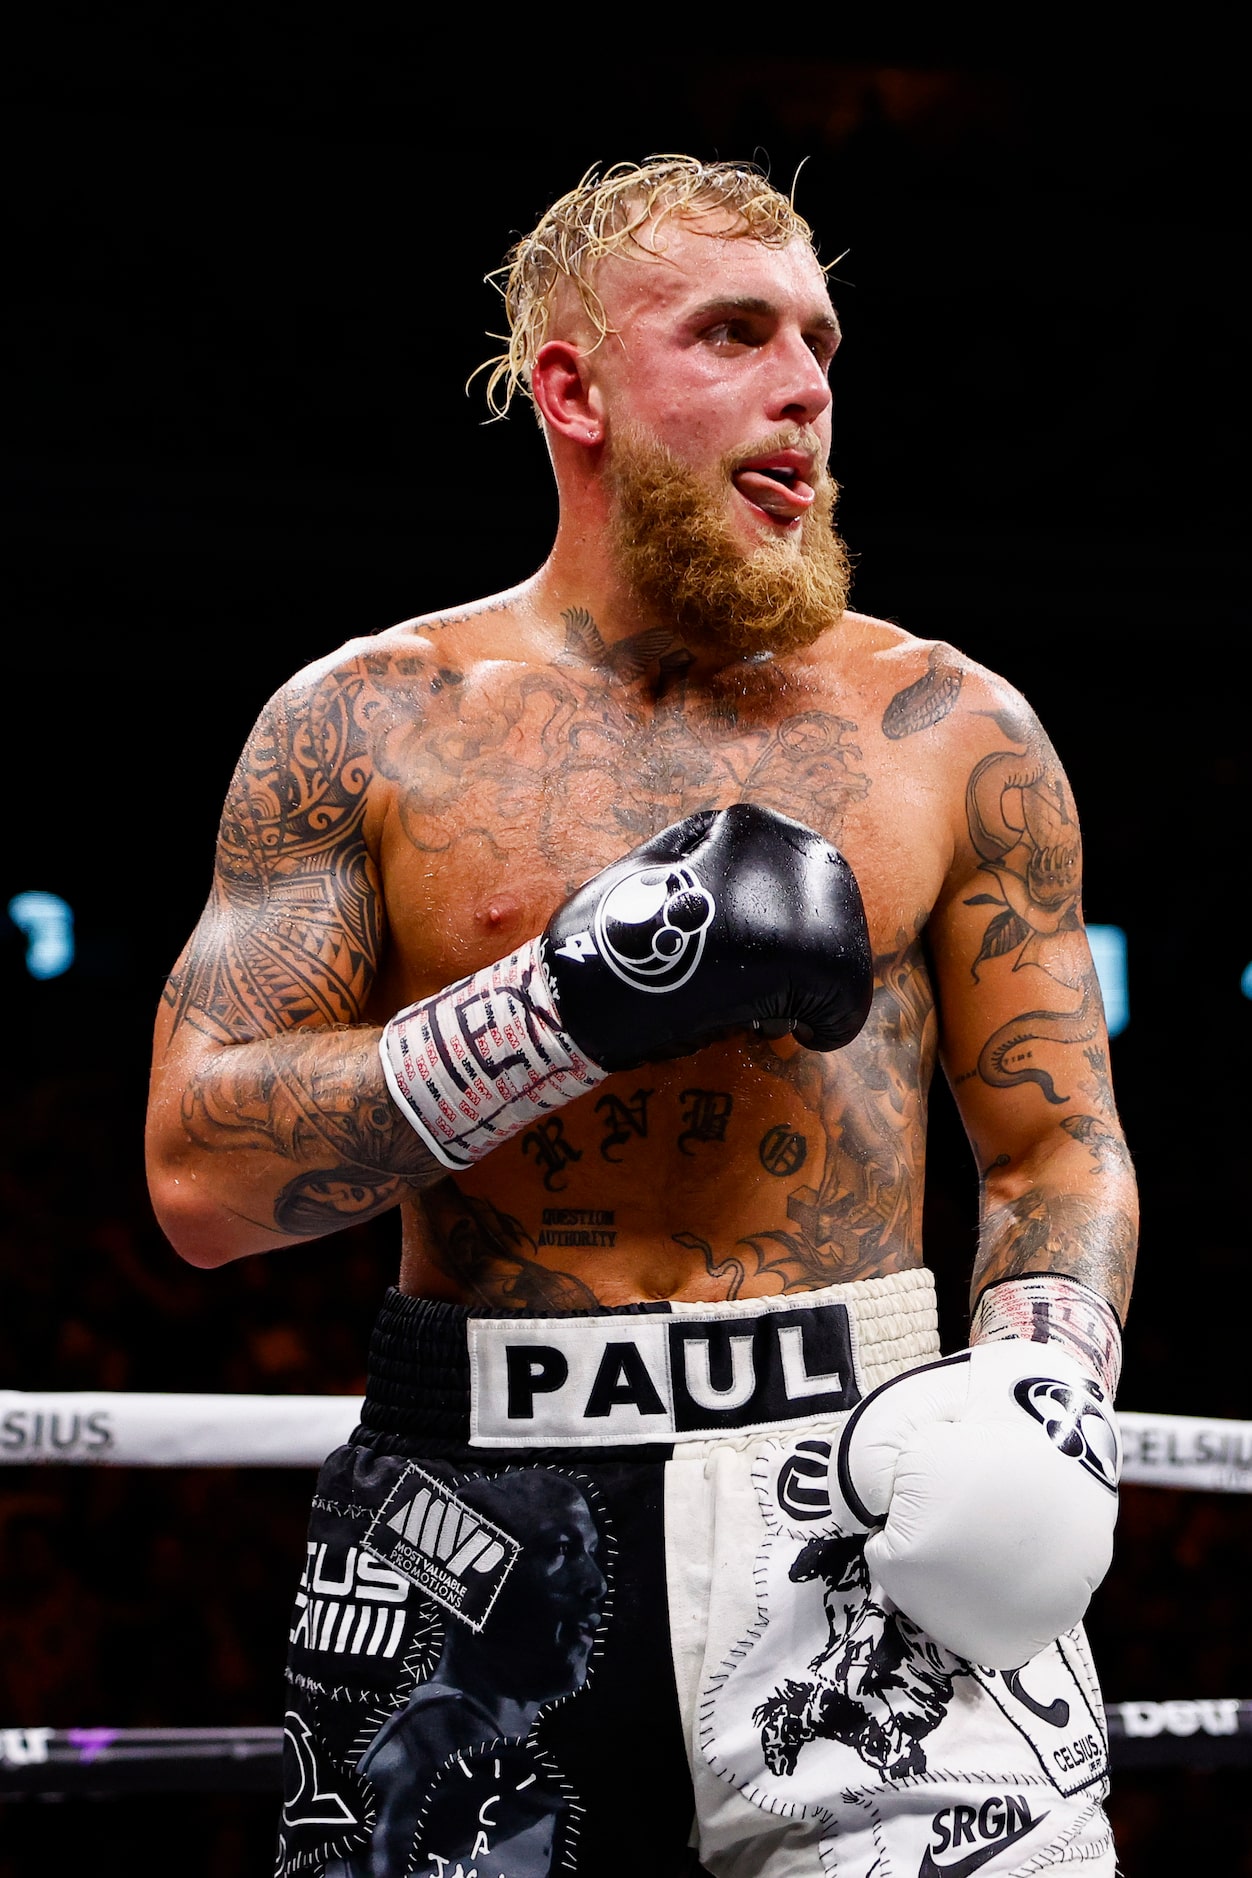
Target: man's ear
[[566, 396]]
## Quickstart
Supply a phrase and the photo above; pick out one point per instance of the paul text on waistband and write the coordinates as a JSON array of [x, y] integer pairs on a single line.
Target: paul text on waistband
[[603, 1381]]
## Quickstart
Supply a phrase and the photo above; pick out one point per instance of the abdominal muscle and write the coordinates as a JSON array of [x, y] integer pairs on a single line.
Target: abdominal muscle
[[747, 1170]]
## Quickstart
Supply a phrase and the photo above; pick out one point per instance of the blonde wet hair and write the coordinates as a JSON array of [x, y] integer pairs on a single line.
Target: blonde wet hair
[[602, 215]]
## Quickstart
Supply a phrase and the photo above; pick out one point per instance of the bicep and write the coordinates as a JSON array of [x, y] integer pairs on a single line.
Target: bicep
[[1023, 1036], [293, 930]]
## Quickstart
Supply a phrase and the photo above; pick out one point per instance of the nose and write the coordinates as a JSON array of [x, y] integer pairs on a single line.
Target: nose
[[592, 1582], [800, 392]]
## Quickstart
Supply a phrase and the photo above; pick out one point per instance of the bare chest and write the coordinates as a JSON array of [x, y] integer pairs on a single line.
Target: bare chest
[[520, 785]]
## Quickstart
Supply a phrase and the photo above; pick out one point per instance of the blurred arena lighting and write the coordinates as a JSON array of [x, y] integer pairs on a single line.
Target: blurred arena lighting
[[1108, 952], [48, 924]]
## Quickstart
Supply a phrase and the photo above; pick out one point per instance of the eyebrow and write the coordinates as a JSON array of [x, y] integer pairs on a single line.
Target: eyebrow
[[750, 303]]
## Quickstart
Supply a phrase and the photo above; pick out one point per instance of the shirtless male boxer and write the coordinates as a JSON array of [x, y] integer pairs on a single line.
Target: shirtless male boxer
[[553, 922]]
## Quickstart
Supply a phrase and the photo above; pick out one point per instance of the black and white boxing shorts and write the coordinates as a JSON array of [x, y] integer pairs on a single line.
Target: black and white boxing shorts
[[577, 1600]]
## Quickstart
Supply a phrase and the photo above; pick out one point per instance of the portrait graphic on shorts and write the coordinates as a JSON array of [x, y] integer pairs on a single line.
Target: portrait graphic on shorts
[[456, 1779]]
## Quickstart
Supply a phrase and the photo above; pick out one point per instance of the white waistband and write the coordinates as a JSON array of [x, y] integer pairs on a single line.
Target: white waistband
[[691, 1372]]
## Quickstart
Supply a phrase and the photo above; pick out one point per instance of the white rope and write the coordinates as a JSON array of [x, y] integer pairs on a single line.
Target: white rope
[[1187, 1451], [115, 1429], [95, 1427]]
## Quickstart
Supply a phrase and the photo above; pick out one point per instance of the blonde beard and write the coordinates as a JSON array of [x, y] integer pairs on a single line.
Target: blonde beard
[[679, 555]]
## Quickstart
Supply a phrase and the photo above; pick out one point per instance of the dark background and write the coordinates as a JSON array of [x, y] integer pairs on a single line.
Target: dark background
[[246, 259]]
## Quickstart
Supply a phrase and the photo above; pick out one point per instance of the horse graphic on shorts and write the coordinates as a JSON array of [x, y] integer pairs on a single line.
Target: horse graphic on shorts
[[880, 1685]]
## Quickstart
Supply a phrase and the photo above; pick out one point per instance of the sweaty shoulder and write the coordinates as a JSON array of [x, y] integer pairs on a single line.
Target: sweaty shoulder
[[498, 627], [481, 629], [925, 692], [964, 729], [347, 702]]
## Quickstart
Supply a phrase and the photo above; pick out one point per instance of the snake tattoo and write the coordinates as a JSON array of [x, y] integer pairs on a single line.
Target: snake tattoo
[[1023, 828]]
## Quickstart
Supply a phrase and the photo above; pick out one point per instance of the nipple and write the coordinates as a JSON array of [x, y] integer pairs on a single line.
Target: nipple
[[501, 910]]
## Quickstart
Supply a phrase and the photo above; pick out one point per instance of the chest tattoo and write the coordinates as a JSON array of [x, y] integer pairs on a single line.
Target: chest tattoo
[[575, 765]]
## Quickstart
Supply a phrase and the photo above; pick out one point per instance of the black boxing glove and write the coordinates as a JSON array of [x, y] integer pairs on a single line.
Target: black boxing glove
[[729, 919], [732, 918]]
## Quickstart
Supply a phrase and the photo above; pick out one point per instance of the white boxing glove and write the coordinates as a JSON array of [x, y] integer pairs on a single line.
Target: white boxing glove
[[988, 1482]]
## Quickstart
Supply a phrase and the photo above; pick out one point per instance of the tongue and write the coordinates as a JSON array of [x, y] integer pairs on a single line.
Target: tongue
[[774, 497]]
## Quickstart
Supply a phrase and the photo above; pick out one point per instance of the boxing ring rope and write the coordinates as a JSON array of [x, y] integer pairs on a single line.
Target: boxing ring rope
[[99, 1428], [102, 1428]]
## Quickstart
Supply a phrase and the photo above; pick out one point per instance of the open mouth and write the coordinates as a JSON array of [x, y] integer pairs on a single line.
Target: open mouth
[[777, 486]]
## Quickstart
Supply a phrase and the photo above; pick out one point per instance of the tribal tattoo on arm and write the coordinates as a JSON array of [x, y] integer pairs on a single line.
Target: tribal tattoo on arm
[[291, 934], [280, 966]]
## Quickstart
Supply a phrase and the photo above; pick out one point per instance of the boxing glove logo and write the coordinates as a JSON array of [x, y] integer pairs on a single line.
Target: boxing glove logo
[[1074, 1419], [649, 928]]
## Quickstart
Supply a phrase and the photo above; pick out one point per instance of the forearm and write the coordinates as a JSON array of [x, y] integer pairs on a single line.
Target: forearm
[[283, 1139], [1068, 1206]]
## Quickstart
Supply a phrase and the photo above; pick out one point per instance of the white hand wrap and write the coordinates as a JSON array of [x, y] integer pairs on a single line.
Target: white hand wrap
[[988, 1482], [1045, 1307], [484, 1059]]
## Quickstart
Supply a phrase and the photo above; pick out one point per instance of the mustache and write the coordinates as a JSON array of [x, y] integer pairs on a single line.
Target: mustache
[[788, 437]]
